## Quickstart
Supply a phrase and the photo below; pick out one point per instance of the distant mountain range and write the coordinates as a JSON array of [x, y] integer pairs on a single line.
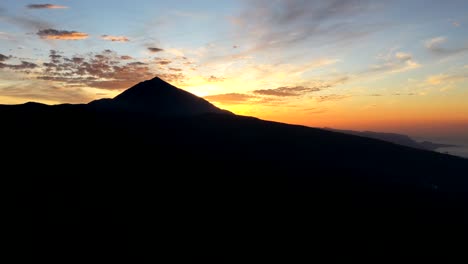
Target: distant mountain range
[[399, 139], [158, 172]]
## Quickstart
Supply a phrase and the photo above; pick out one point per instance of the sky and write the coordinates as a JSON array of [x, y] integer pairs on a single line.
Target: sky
[[395, 66]]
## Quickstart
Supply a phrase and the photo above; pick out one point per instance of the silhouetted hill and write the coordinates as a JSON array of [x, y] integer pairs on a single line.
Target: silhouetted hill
[[399, 139], [112, 179], [160, 98]]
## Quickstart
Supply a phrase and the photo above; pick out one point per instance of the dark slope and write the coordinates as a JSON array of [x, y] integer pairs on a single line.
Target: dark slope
[[120, 183]]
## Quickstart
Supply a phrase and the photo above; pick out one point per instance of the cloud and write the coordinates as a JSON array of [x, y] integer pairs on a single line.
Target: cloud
[[435, 45], [27, 22], [315, 110], [288, 91], [45, 6], [38, 90], [269, 24], [456, 24], [105, 70], [175, 69], [4, 58], [162, 61], [331, 97], [61, 34], [446, 78], [155, 50], [213, 78], [19, 67], [6, 36], [230, 98], [397, 62], [115, 38]]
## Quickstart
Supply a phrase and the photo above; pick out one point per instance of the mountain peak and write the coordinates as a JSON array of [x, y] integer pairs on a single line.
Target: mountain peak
[[158, 97]]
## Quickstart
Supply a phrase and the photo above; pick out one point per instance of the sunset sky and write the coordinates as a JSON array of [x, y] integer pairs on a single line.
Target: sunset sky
[[397, 66]]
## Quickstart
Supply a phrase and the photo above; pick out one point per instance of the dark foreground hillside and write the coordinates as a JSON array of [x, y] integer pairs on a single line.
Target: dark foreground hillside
[[112, 179]]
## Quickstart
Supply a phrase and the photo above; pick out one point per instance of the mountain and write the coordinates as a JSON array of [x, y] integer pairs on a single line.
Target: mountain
[[399, 139], [160, 98], [159, 173]]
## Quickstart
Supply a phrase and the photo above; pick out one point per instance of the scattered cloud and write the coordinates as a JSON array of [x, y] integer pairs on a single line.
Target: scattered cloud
[[435, 45], [115, 38], [230, 98], [24, 65], [61, 34], [331, 97], [288, 91], [155, 50], [105, 70], [456, 24], [45, 6]]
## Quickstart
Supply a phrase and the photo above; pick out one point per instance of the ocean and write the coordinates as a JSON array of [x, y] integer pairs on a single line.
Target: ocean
[[461, 142], [456, 151]]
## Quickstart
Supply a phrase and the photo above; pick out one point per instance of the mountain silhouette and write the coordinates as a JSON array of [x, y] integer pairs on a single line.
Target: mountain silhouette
[[160, 98], [158, 172]]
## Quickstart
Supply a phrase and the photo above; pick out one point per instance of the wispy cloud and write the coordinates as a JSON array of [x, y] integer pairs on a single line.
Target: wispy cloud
[[27, 22], [277, 24], [446, 78], [155, 50], [40, 90], [213, 78], [436, 45], [6, 36], [115, 38], [331, 97], [160, 61], [45, 6], [397, 62], [288, 91], [230, 98], [61, 34]]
